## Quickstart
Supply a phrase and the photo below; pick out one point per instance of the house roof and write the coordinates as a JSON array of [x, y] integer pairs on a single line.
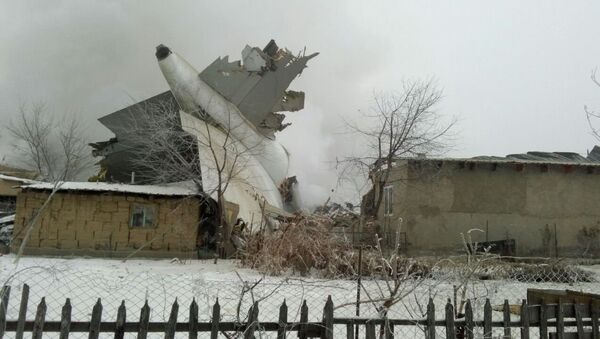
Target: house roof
[[175, 189], [533, 157], [17, 179]]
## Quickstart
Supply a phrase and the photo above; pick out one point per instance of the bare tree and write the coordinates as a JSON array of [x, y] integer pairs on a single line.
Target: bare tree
[[170, 146], [591, 115], [402, 124], [55, 148]]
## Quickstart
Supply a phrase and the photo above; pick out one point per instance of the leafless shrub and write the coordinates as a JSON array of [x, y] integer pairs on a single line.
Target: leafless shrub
[[301, 246], [306, 246]]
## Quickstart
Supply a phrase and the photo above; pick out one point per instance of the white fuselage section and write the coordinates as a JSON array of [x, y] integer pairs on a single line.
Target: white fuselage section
[[196, 97]]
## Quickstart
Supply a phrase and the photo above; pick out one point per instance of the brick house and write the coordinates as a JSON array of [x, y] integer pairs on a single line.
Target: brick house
[[112, 220]]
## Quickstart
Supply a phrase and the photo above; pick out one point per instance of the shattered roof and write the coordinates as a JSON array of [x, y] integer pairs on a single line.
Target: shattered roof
[[176, 189], [535, 157], [593, 157]]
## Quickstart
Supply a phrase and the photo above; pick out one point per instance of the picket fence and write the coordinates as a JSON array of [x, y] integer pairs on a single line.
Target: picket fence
[[551, 321]]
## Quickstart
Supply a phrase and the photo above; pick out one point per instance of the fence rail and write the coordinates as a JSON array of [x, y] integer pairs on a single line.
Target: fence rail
[[567, 320]]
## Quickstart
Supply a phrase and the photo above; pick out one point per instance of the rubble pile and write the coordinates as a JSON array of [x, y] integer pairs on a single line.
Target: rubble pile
[[340, 216], [302, 246]]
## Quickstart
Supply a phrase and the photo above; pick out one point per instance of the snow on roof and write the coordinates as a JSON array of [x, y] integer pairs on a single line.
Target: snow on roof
[[17, 179], [175, 189]]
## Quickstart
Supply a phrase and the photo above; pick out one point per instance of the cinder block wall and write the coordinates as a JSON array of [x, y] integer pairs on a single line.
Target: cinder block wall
[[98, 224]]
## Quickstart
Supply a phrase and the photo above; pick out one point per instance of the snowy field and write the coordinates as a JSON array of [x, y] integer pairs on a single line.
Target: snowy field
[[162, 281]]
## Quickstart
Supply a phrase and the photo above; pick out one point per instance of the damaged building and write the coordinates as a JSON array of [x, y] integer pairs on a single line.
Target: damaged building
[[533, 204], [238, 105]]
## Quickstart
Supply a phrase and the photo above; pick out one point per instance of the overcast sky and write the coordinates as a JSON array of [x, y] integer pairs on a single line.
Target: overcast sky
[[514, 73]]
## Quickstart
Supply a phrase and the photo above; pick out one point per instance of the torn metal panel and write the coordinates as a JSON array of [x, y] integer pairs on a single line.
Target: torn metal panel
[[258, 86], [292, 101]]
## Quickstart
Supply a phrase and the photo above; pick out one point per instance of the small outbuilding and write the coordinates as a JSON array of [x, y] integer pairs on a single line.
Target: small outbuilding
[[111, 220]]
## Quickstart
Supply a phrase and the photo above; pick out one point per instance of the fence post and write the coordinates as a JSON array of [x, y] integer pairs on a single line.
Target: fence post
[[282, 321], [252, 321], [216, 317], [543, 320], [506, 319], [370, 330], [560, 320], [170, 326], [328, 319], [22, 312], [487, 319], [144, 319], [3, 309], [358, 284], [95, 321], [469, 320], [303, 320], [193, 329], [578, 320], [38, 324], [121, 318], [450, 330], [430, 333], [65, 320], [524, 320], [595, 315]]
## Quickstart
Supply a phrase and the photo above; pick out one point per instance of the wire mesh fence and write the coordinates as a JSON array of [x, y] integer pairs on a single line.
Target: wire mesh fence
[[84, 284]]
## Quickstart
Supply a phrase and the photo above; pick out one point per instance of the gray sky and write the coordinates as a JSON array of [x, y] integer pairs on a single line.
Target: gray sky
[[514, 73]]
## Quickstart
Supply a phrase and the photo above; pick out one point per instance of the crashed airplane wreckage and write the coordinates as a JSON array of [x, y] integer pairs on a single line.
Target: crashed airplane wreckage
[[237, 102]]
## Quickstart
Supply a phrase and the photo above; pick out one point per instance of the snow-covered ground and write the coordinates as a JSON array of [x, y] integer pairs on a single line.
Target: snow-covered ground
[[162, 281]]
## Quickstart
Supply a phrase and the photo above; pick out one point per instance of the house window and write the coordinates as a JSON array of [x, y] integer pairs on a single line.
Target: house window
[[142, 216], [387, 200]]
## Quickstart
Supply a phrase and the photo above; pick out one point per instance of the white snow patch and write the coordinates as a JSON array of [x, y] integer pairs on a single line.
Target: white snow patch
[[176, 189]]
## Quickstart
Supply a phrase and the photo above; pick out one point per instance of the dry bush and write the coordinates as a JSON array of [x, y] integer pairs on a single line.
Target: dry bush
[[306, 245], [301, 245]]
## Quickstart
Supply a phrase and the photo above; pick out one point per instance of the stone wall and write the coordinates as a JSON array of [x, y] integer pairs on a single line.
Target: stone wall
[[97, 223], [549, 209]]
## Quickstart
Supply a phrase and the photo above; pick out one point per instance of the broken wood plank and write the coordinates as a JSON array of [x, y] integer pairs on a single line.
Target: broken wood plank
[[216, 318], [144, 320], [281, 331], [40, 317], [96, 319], [22, 312], [193, 319], [170, 325], [450, 329], [65, 320], [121, 318]]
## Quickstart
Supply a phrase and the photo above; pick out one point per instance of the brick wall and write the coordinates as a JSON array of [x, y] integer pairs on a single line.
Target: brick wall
[[87, 222]]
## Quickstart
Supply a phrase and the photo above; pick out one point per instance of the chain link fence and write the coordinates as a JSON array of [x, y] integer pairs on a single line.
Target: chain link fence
[[84, 284]]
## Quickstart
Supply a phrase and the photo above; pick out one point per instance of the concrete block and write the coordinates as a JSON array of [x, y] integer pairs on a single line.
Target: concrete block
[[109, 206], [92, 225], [102, 216], [48, 243], [68, 244]]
